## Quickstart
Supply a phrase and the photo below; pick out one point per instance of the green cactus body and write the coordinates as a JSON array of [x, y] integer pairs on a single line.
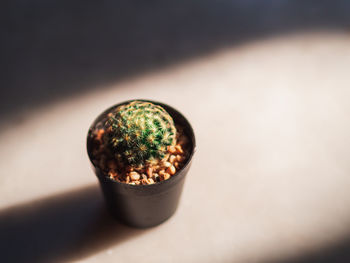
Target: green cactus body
[[139, 132]]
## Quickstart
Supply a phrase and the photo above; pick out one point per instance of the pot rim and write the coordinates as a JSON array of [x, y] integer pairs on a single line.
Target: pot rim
[[156, 184]]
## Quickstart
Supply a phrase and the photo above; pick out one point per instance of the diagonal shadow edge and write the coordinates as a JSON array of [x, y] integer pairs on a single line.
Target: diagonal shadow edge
[[337, 251], [59, 49]]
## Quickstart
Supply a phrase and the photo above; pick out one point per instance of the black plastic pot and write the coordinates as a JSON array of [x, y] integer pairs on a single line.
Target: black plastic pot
[[144, 205]]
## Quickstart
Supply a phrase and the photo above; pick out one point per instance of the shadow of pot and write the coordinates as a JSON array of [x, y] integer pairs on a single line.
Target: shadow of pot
[[144, 205]]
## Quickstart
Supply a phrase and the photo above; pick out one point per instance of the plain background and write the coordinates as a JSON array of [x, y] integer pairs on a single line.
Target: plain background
[[265, 85]]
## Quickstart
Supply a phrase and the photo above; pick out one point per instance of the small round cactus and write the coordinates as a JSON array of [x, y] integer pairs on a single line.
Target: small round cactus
[[140, 132]]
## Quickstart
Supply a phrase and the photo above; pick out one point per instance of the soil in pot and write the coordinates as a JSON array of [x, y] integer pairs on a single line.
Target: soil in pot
[[144, 173]]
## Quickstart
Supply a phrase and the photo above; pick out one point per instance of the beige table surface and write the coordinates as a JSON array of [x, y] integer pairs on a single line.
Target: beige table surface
[[270, 179]]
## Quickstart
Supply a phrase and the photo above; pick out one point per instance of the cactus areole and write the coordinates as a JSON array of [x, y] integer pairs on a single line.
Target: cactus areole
[[139, 133]]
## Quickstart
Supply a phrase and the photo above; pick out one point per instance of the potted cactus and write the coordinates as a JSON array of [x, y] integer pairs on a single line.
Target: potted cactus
[[141, 151]]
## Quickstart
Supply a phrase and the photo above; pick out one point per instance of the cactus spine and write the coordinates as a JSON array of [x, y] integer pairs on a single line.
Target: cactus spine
[[139, 132]]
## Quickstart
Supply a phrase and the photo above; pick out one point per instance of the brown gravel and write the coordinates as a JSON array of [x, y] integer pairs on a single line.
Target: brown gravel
[[162, 170]]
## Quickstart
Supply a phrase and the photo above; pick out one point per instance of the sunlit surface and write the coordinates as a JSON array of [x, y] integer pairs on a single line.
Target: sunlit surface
[[270, 179]]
